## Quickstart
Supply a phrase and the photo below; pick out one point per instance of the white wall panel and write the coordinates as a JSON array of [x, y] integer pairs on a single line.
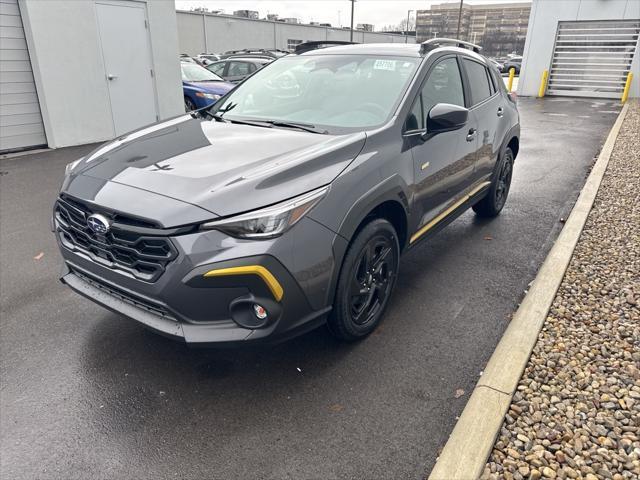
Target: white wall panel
[[225, 33]]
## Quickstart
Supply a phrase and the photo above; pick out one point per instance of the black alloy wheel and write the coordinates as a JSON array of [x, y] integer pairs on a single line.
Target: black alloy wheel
[[493, 202], [504, 181], [371, 279], [189, 106], [366, 281]]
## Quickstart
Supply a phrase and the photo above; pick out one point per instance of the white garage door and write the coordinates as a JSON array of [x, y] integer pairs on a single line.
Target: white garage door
[[593, 58], [20, 119]]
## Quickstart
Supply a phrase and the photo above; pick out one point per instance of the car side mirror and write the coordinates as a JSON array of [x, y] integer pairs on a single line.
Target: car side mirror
[[445, 117]]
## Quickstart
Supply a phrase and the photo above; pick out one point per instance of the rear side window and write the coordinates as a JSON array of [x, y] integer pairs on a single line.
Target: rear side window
[[478, 81], [497, 79], [238, 68]]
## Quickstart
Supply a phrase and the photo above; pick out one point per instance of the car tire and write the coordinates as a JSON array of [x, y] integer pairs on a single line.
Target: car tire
[[496, 197], [189, 105], [366, 281]]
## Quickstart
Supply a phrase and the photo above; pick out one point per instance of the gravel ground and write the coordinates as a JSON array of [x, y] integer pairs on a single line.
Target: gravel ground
[[576, 411]]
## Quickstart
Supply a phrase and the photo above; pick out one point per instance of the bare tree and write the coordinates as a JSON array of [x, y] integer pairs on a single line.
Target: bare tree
[[401, 26]]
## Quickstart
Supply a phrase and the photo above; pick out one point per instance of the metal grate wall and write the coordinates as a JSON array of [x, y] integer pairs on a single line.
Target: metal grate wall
[[593, 58], [20, 120]]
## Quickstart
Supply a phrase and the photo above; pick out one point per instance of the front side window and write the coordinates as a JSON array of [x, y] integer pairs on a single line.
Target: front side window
[[444, 85], [478, 81], [341, 91]]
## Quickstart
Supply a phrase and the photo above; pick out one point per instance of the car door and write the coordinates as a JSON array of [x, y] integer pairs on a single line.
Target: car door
[[487, 107], [443, 162]]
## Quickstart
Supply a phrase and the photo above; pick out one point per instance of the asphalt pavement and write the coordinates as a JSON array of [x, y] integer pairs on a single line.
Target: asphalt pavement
[[87, 393]]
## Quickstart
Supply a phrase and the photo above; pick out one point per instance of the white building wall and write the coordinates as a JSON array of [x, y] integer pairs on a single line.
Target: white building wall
[[199, 33], [163, 32], [62, 36], [543, 25]]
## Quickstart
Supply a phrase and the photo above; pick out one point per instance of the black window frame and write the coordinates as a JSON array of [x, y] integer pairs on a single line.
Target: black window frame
[[418, 96]]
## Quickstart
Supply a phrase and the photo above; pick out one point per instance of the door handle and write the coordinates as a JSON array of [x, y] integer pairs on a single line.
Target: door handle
[[111, 77], [500, 112], [471, 135]]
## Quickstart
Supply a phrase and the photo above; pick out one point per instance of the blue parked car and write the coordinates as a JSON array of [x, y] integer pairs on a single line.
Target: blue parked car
[[201, 87]]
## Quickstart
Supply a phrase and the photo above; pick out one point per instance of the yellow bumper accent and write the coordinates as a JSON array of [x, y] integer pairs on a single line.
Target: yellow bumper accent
[[266, 276], [447, 212]]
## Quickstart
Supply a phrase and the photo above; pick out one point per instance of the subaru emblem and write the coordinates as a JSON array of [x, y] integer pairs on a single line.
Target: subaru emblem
[[98, 223]]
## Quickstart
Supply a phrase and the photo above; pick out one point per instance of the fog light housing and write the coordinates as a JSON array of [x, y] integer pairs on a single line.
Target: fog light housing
[[259, 311], [254, 312]]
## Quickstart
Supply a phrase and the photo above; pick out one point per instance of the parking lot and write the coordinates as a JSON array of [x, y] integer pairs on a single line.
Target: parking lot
[[86, 392]]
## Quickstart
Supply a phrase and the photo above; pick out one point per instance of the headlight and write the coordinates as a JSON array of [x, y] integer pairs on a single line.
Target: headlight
[[71, 166], [268, 222], [210, 96]]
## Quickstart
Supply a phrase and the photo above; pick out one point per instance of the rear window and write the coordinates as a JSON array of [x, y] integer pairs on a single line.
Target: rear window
[[478, 81]]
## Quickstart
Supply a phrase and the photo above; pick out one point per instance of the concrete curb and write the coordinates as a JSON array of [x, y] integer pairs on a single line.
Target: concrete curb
[[466, 452]]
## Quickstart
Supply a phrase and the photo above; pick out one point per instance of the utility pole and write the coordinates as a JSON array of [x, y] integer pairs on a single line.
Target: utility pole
[[353, 2], [406, 40], [459, 20]]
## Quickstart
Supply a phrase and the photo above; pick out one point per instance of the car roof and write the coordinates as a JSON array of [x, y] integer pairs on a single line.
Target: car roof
[[392, 49], [398, 49], [250, 58]]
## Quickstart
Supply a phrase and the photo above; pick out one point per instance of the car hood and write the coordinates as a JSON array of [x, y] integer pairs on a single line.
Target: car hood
[[224, 168], [217, 87]]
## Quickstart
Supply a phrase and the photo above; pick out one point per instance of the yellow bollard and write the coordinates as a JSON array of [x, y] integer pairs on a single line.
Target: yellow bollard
[[627, 87], [543, 83], [512, 73]]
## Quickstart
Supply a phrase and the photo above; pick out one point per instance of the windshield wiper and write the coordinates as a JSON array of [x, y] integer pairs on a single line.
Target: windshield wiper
[[217, 116], [307, 127]]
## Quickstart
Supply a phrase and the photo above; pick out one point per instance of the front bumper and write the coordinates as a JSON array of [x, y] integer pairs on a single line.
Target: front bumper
[[186, 304], [158, 317]]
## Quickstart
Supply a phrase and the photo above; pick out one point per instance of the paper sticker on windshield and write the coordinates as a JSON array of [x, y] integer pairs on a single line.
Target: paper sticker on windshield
[[385, 65]]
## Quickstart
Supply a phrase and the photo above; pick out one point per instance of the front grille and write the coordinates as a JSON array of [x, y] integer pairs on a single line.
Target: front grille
[[122, 248]]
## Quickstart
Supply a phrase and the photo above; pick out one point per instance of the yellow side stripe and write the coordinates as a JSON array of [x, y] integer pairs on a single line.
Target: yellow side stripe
[[266, 276], [447, 212]]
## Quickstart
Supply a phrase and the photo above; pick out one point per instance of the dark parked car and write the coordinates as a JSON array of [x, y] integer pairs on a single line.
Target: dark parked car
[[287, 204], [496, 63], [513, 62], [236, 69], [201, 87]]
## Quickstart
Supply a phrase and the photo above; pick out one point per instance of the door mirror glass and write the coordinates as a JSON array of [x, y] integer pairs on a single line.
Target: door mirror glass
[[445, 117]]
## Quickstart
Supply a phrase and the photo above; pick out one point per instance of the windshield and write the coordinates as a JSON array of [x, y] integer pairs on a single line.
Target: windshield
[[342, 91], [192, 72]]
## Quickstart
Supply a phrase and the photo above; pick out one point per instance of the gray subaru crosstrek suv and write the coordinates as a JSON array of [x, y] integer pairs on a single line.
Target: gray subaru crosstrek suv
[[287, 204]]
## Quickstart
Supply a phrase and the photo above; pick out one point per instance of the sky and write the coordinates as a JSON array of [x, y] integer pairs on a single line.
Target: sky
[[335, 12]]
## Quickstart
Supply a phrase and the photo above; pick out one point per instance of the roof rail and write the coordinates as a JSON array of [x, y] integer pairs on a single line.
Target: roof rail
[[438, 42], [308, 46]]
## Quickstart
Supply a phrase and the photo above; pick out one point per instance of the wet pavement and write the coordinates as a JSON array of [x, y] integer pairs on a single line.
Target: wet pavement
[[87, 393]]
